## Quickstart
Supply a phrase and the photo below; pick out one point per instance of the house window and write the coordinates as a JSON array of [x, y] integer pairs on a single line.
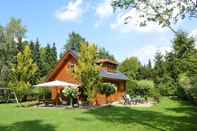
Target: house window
[[71, 67]]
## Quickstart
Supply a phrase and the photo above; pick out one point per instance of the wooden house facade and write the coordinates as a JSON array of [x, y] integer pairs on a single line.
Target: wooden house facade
[[63, 71]]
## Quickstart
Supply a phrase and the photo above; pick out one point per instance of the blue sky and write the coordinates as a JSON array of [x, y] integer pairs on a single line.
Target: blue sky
[[52, 21]]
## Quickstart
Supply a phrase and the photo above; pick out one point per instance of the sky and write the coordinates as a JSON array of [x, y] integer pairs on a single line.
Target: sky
[[52, 21]]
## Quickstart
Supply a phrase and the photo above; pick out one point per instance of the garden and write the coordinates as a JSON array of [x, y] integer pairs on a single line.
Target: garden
[[168, 115]]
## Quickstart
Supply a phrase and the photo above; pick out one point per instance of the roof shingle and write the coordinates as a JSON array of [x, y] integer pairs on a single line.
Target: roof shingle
[[113, 75]]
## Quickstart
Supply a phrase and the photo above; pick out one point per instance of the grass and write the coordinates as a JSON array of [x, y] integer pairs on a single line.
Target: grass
[[169, 115]]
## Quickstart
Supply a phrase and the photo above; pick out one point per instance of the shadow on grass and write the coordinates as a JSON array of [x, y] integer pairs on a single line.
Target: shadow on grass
[[148, 118], [34, 125]]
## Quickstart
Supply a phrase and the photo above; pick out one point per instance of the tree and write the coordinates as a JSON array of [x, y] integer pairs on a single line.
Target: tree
[[48, 56], [145, 72], [104, 54], [189, 86], [10, 44], [130, 67], [159, 68], [35, 48], [145, 88], [44, 63], [87, 71], [54, 54], [74, 41], [185, 53], [22, 73], [36, 54], [163, 12]]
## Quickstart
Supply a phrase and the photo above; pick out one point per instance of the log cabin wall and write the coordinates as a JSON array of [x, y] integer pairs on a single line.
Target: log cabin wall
[[64, 73], [101, 99]]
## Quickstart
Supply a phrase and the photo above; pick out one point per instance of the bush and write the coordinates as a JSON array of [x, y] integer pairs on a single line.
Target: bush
[[21, 89], [107, 89], [70, 92], [132, 87], [189, 86], [166, 86], [145, 88], [41, 93]]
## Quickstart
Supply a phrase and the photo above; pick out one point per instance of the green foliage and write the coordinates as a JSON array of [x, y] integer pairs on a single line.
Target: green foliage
[[104, 54], [10, 39], [132, 86], [169, 69], [22, 73], [15, 30], [87, 70], [162, 12], [130, 67], [159, 68], [70, 92], [40, 93], [144, 72], [107, 88], [21, 88], [48, 56], [74, 42], [189, 85], [167, 86], [145, 88], [185, 53]]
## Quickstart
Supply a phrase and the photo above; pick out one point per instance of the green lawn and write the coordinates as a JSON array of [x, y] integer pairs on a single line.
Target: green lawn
[[169, 115]]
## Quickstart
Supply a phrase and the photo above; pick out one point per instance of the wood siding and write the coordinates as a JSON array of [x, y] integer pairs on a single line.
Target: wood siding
[[63, 72]]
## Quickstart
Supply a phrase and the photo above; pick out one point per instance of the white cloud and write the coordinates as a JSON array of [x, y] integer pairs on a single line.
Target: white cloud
[[71, 12], [123, 24], [148, 52], [104, 10], [194, 34]]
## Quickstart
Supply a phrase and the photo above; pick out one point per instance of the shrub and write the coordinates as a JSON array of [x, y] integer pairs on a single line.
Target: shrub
[[107, 89], [41, 93], [188, 85], [21, 88], [70, 92], [145, 88], [167, 88], [132, 87]]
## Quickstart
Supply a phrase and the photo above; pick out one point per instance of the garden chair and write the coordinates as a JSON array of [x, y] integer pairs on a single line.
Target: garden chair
[[127, 99]]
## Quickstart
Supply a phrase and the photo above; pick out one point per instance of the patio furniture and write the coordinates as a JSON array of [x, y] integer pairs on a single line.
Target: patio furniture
[[127, 99], [55, 84], [137, 100]]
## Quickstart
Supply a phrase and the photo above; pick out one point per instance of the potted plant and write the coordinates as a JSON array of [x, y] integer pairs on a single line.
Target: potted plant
[[71, 93], [107, 89]]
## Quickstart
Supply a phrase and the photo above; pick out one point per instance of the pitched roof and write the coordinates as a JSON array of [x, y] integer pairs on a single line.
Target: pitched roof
[[74, 53], [61, 62], [104, 74], [113, 75], [107, 61]]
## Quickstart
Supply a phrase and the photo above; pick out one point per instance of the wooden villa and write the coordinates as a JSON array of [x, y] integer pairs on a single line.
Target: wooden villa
[[63, 71]]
